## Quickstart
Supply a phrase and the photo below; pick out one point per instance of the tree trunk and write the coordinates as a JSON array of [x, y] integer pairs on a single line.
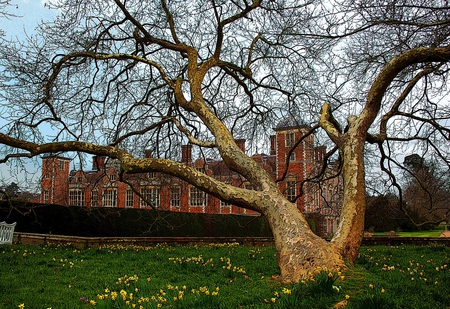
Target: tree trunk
[[349, 234], [299, 250]]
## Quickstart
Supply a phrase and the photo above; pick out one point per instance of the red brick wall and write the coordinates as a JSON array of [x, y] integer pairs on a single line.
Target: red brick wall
[[301, 167], [55, 180]]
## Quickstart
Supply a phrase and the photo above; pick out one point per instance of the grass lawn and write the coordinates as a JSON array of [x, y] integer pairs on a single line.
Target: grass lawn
[[428, 233], [216, 276]]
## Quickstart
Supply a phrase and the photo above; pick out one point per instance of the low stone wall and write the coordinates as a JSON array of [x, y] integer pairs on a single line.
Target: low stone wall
[[95, 242], [397, 240]]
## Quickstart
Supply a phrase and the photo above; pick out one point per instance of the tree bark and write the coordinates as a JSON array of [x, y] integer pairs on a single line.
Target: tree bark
[[349, 234], [299, 250]]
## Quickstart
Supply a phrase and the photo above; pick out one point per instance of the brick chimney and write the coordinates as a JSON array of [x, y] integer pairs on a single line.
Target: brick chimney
[[241, 144], [273, 145], [98, 162], [148, 153], [320, 152], [186, 153]]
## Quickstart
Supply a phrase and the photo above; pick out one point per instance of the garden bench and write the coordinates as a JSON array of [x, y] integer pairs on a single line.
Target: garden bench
[[6, 232]]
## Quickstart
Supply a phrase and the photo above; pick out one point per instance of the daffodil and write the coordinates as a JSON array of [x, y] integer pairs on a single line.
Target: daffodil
[[286, 291]]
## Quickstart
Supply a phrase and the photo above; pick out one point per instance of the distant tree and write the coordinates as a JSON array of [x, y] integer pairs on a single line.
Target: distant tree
[[384, 213], [13, 190], [113, 77], [426, 192]]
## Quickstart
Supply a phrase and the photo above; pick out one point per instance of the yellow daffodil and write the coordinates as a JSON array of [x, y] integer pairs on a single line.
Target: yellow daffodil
[[286, 291]]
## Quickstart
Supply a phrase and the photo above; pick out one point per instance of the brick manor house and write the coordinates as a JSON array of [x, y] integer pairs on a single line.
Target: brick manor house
[[100, 187]]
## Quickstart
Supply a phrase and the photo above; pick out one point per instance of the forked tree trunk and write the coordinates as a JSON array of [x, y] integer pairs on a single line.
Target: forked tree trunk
[[299, 250], [349, 234]]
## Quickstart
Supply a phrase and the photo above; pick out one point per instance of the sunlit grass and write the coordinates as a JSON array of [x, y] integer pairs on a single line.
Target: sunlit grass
[[403, 277], [216, 276], [426, 233]]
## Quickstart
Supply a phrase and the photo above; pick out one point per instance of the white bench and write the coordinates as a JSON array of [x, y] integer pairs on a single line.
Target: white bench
[[6, 232]]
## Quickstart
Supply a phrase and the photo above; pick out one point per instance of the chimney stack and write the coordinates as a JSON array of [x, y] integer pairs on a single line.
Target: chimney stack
[[148, 153], [273, 145], [186, 153], [320, 152], [98, 162], [241, 144]]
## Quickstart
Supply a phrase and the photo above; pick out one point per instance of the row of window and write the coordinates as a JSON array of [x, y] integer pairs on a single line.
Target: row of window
[[149, 196], [112, 177]]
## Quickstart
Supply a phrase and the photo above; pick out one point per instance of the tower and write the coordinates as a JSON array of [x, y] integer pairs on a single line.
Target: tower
[[55, 175], [294, 159]]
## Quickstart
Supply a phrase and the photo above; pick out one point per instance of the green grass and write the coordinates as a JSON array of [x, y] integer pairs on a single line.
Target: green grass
[[402, 277], [215, 276], [427, 233]]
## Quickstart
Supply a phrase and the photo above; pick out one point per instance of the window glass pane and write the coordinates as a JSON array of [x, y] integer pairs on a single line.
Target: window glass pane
[[291, 191], [110, 198], [129, 199], [175, 197], [197, 197], [149, 197]]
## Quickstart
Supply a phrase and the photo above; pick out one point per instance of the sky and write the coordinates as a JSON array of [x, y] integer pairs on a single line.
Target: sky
[[28, 14]]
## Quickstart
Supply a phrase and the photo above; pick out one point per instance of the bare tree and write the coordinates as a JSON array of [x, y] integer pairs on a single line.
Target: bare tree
[[426, 192], [4, 13], [114, 77], [4, 4]]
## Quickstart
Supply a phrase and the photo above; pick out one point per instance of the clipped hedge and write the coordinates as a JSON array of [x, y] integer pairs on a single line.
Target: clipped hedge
[[114, 222]]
